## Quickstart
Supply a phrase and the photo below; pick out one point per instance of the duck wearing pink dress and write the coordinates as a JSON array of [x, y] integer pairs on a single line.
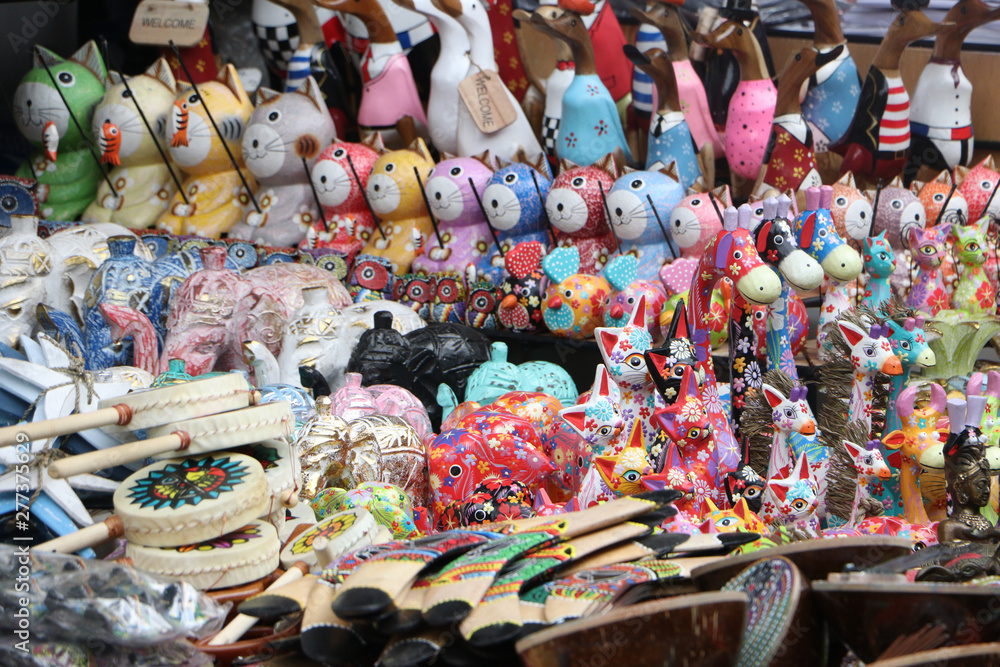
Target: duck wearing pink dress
[[751, 108], [878, 142], [389, 98]]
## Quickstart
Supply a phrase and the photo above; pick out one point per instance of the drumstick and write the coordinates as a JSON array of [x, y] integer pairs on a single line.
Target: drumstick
[[242, 622], [195, 436], [108, 529], [144, 409]]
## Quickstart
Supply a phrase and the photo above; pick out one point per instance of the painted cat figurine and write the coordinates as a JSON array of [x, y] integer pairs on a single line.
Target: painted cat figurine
[[880, 262], [930, 247], [974, 293], [213, 188], [68, 178], [284, 136], [598, 419], [575, 207], [143, 185]]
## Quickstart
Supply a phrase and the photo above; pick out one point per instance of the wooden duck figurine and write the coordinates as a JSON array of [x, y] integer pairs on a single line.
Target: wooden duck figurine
[[389, 98], [751, 109], [503, 143], [876, 146], [835, 87], [590, 127], [557, 81], [449, 70], [789, 162], [665, 15], [607, 39], [941, 114], [669, 136]]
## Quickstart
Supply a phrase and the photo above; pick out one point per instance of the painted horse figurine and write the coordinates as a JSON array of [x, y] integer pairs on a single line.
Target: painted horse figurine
[[870, 466], [871, 353]]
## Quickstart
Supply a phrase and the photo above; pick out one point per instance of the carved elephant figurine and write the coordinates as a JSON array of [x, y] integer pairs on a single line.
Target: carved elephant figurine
[[53, 271], [216, 309]]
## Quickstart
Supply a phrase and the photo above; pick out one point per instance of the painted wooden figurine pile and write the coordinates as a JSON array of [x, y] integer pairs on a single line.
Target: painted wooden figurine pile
[[246, 336]]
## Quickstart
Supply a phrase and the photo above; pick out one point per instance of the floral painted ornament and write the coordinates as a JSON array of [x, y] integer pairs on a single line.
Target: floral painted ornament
[[491, 501], [461, 459], [387, 503], [521, 292]]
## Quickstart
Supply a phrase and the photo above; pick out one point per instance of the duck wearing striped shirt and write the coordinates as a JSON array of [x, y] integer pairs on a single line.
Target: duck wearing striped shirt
[[877, 144]]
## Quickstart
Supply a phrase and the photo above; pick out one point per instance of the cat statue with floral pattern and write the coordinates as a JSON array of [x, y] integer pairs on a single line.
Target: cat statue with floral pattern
[[598, 419], [930, 247], [616, 475], [791, 498], [974, 293]]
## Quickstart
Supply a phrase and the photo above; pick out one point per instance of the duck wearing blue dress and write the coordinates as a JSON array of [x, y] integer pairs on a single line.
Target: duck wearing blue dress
[[591, 126], [669, 135]]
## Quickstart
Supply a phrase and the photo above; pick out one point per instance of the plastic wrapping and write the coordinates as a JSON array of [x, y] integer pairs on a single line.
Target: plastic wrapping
[[116, 614]]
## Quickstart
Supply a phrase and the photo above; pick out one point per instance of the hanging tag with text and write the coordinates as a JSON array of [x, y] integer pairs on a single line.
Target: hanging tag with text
[[157, 22], [485, 97]]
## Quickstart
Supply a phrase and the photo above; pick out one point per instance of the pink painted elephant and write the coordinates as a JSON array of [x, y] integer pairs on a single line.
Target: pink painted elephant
[[216, 309]]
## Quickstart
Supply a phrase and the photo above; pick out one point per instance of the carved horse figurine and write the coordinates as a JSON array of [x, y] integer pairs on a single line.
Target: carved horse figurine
[[871, 353], [921, 449], [941, 117], [590, 126], [789, 162], [870, 466], [449, 70], [818, 236], [731, 254], [389, 97], [669, 136], [879, 262], [834, 89], [930, 248], [665, 15], [878, 141], [751, 108], [505, 142]]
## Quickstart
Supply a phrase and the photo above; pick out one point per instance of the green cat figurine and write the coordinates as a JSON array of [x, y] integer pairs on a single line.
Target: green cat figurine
[[974, 292], [66, 172]]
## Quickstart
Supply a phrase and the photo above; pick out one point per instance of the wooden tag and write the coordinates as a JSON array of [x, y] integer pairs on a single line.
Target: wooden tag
[[484, 96], [157, 22]]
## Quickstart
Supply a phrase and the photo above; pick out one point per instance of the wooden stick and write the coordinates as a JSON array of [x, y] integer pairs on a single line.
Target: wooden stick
[[427, 205], [242, 623], [108, 529], [493, 232]]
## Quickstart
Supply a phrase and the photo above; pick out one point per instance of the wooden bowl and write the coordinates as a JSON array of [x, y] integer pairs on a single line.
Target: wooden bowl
[[703, 629], [783, 627], [974, 655], [253, 644], [815, 559], [870, 616]]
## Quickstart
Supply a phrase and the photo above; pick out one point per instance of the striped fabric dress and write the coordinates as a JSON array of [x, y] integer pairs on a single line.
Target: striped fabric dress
[[894, 130], [643, 90]]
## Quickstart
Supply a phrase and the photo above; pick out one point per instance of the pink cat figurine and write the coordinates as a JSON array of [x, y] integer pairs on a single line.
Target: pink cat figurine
[[930, 247], [461, 223], [693, 224], [575, 208], [341, 194]]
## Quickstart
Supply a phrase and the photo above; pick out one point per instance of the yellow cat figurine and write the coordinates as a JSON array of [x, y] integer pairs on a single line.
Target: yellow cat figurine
[[141, 178], [396, 200], [214, 191]]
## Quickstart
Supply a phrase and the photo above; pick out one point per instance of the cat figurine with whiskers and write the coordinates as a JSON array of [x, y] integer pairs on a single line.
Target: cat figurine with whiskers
[[284, 136], [213, 189], [143, 185]]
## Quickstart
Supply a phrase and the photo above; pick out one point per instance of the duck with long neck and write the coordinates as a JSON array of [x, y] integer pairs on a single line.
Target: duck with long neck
[[835, 87], [690, 89], [731, 254], [590, 127], [789, 162], [556, 83], [751, 108], [389, 98], [503, 143], [669, 136], [876, 145], [449, 70], [941, 116]]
